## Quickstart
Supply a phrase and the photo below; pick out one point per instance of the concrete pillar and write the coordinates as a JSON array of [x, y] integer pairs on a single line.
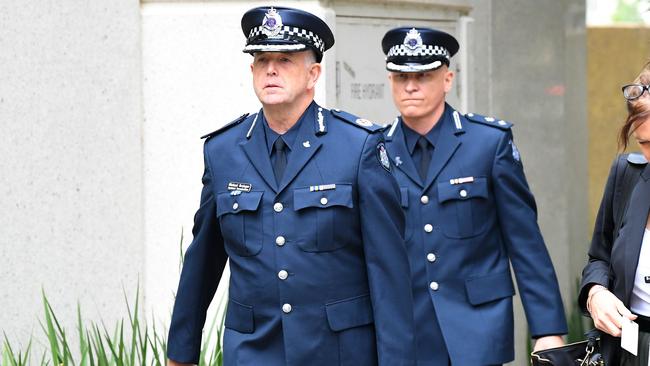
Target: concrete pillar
[[70, 160]]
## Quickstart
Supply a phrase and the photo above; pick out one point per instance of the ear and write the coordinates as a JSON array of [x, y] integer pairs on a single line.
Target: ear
[[449, 80], [315, 70], [251, 67]]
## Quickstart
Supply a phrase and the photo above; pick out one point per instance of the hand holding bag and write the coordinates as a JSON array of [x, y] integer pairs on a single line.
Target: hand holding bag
[[583, 353]]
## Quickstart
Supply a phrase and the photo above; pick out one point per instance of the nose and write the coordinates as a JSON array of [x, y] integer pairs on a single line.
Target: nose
[[271, 69], [411, 85]]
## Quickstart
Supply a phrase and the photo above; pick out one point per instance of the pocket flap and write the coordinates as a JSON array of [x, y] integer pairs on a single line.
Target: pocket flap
[[340, 196], [349, 313], [488, 288], [404, 196], [246, 201], [463, 191], [239, 317]]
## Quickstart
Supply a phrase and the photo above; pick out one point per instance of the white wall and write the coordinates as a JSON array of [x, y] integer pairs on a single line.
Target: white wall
[[70, 160]]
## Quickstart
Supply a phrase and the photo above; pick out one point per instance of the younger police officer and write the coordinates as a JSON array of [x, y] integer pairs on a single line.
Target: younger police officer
[[469, 214], [302, 201]]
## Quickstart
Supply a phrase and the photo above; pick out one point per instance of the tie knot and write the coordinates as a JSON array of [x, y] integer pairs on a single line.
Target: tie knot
[[423, 143], [279, 144]]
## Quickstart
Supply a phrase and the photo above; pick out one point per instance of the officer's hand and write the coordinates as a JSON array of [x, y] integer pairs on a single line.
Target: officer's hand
[[174, 363], [607, 310], [547, 342]]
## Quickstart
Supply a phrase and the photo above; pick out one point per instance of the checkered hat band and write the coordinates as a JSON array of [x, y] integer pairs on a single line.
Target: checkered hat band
[[288, 32], [425, 50]]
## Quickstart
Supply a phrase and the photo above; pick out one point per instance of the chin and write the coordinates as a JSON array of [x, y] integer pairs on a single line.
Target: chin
[[410, 112], [273, 99]]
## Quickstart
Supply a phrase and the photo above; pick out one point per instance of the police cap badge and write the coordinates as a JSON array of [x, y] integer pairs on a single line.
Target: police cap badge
[[417, 49], [280, 29]]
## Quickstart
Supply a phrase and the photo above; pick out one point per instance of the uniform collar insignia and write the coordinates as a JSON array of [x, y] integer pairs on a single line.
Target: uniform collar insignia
[[272, 23], [398, 161], [363, 122]]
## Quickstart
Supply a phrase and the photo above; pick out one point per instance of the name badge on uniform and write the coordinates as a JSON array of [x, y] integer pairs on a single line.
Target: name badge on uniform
[[322, 187], [461, 180], [242, 187]]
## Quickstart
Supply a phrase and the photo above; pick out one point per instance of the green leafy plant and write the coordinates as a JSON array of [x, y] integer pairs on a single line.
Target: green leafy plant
[[131, 342]]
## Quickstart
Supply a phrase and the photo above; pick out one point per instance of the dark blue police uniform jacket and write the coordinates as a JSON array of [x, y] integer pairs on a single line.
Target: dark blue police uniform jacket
[[333, 224], [472, 215]]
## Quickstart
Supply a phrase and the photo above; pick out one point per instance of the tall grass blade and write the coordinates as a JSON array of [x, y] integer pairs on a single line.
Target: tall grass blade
[[51, 333], [83, 340], [91, 358], [98, 344], [135, 325], [7, 353]]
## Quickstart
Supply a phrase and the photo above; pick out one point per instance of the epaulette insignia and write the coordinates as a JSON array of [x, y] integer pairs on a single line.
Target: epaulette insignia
[[636, 159], [235, 122], [489, 121], [356, 121]]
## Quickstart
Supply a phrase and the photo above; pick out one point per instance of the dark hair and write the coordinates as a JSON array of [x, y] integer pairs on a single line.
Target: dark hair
[[638, 110]]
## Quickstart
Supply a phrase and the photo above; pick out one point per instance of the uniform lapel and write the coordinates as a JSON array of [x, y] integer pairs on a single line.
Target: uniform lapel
[[256, 151], [637, 216], [304, 147], [448, 142], [401, 157]]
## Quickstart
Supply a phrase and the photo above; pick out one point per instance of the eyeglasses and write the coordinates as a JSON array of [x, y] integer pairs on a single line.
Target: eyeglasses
[[634, 91]]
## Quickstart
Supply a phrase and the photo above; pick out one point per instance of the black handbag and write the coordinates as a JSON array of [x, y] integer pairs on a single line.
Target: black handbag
[[583, 353]]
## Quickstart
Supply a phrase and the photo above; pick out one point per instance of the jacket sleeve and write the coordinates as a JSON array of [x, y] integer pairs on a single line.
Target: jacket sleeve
[[383, 224], [203, 264], [517, 214], [597, 269]]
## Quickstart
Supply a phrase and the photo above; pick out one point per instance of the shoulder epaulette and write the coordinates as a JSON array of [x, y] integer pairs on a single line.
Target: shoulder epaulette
[[235, 122], [489, 121], [636, 159], [356, 121]]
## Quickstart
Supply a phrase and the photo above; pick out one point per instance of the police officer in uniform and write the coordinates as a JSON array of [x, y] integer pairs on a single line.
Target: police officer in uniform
[[469, 214], [302, 201]]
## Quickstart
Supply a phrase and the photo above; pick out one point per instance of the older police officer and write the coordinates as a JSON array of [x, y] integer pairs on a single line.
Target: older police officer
[[302, 201], [469, 212]]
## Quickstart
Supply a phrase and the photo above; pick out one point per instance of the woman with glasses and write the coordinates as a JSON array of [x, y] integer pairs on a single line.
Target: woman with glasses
[[615, 286]]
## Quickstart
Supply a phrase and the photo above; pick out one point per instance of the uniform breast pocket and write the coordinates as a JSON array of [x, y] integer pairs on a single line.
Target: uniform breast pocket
[[240, 217], [325, 218], [463, 208]]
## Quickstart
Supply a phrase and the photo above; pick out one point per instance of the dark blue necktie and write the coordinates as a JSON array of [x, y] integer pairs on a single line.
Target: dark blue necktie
[[425, 151], [280, 159]]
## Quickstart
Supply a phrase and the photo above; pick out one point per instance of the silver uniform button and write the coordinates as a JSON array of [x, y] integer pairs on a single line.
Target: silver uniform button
[[434, 286], [280, 240], [283, 274], [431, 257], [463, 193], [323, 201], [286, 308], [278, 207], [428, 228], [235, 206], [424, 200]]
